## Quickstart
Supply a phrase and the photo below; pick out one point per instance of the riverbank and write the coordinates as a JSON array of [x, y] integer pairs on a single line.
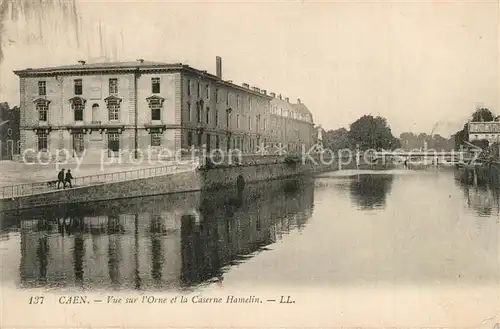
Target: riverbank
[[171, 179], [484, 174], [14, 173]]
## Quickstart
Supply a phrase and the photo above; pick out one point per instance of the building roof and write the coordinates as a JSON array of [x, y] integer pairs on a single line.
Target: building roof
[[283, 103], [298, 107], [142, 65], [97, 66], [301, 108]]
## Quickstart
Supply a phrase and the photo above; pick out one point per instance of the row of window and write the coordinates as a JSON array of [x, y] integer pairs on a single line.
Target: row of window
[[233, 143], [199, 118], [112, 86], [245, 144], [203, 91], [241, 143], [484, 127], [289, 113], [487, 136], [79, 142], [155, 89], [113, 110]]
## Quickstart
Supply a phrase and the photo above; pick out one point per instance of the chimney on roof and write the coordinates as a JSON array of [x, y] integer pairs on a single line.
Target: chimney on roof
[[287, 99], [246, 85], [298, 101], [81, 62], [273, 94], [218, 66], [140, 61], [279, 96], [256, 89], [229, 81], [264, 91]]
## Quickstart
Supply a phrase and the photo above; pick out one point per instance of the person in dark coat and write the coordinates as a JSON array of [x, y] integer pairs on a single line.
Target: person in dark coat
[[68, 179], [60, 178]]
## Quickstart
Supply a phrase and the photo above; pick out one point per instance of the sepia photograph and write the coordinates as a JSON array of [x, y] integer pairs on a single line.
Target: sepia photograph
[[249, 164]]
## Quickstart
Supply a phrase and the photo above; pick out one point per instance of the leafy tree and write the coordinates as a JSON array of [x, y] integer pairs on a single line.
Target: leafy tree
[[483, 115], [372, 133], [482, 143], [461, 136], [480, 115], [336, 139]]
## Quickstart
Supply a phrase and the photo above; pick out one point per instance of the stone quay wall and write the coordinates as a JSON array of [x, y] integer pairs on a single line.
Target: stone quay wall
[[202, 179]]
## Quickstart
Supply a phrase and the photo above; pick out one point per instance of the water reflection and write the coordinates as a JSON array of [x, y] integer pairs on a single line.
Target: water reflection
[[483, 199], [176, 241], [370, 191]]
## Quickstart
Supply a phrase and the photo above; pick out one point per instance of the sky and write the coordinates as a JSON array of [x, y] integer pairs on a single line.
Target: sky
[[425, 66]]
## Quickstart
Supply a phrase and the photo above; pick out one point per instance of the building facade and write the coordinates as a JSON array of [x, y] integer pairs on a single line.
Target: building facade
[[9, 131], [110, 109], [489, 131]]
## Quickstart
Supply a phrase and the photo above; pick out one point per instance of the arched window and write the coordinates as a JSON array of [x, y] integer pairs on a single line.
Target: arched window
[[95, 113]]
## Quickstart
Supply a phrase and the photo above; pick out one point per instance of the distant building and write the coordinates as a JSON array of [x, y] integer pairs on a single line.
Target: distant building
[[291, 124], [142, 105], [319, 134], [9, 131], [489, 131]]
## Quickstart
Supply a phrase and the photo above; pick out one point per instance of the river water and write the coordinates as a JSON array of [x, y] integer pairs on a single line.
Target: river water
[[342, 228]]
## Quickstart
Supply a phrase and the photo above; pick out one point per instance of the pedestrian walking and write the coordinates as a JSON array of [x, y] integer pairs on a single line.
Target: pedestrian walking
[[60, 178], [68, 179]]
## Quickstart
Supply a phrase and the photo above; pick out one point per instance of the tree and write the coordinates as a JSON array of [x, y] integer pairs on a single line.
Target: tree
[[372, 133], [336, 139], [482, 115], [461, 136]]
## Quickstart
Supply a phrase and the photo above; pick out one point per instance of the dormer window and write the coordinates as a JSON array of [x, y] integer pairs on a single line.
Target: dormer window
[[78, 105], [156, 106]]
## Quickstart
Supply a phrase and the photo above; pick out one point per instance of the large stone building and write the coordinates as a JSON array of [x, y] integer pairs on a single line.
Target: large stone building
[[108, 108]]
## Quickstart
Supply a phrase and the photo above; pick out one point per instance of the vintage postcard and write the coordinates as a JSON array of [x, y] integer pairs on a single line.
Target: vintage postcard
[[256, 164]]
